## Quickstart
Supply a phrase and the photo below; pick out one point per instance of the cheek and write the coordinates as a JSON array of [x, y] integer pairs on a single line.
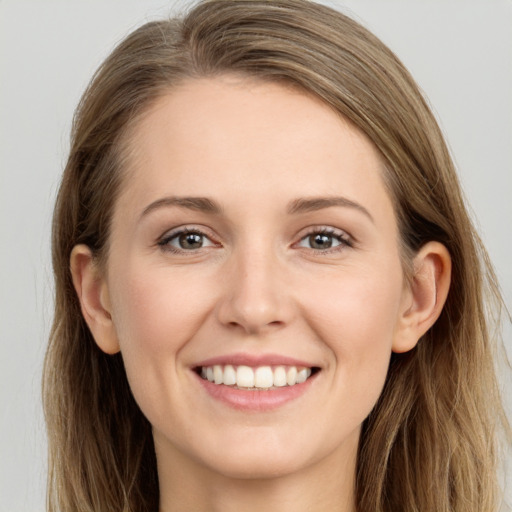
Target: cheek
[[154, 316], [154, 312], [358, 310], [357, 320]]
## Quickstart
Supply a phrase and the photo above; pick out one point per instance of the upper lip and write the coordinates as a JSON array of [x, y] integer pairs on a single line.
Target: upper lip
[[255, 360]]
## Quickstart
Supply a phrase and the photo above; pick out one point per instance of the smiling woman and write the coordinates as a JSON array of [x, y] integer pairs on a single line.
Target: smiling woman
[[275, 296]]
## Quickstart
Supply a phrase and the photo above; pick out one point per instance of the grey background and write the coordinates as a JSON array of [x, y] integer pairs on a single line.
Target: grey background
[[460, 52]]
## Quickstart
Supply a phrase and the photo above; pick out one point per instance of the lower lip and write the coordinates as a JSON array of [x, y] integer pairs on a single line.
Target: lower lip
[[257, 400]]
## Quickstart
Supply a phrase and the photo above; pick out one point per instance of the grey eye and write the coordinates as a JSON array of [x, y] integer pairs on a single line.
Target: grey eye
[[189, 241], [322, 241], [186, 241]]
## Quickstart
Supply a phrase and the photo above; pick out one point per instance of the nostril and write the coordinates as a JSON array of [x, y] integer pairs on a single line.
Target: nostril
[[253, 328]]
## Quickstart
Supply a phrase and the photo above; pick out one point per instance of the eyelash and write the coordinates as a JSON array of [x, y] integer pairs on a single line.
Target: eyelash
[[343, 238], [164, 242]]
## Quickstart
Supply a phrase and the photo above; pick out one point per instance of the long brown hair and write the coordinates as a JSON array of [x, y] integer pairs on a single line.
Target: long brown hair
[[430, 443]]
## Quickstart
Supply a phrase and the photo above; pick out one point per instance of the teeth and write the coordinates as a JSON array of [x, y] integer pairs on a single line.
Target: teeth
[[262, 377], [280, 377], [245, 377], [302, 375], [218, 374], [229, 375], [291, 376]]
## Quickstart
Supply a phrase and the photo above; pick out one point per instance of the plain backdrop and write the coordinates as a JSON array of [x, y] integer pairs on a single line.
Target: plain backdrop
[[460, 52]]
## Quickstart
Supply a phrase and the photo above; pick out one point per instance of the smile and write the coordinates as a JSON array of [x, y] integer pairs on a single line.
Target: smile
[[255, 378]]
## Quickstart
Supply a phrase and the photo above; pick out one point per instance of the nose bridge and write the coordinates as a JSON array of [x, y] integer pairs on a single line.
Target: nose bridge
[[254, 296]]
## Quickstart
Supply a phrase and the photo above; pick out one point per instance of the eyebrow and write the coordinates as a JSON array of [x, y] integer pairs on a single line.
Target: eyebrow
[[297, 206], [312, 204], [200, 204]]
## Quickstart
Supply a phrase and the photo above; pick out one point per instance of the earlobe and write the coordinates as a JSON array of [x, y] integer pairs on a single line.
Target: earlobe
[[92, 292], [426, 296]]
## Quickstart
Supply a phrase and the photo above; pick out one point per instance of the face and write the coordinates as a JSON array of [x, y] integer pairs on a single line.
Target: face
[[253, 244]]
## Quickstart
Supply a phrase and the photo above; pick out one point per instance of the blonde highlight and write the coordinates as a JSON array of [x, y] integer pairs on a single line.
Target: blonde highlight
[[430, 444]]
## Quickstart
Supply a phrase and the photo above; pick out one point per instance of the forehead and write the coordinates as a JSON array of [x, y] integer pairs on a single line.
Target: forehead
[[207, 135]]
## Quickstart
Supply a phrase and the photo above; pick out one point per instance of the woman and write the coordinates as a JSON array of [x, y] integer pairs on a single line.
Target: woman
[[276, 295]]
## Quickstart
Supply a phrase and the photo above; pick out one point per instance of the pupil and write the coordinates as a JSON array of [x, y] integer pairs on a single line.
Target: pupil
[[190, 241], [320, 241]]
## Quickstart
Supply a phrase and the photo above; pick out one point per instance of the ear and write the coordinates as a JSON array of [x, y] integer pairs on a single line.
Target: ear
[[92, 292], [425, 297]]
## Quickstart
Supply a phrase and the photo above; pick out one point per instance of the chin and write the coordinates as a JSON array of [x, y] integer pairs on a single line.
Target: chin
[[261, 455], [258, 467]]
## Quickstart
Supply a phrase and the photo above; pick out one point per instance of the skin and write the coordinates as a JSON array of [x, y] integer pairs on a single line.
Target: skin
[[256, 286]]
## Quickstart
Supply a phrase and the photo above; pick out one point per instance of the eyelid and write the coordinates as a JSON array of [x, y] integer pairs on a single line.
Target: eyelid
[[346, 239], [167, 236], [343, 236]]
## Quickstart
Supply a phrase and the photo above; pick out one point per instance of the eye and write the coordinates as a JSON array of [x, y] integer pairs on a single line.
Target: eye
[[185, 240], [325, 239]]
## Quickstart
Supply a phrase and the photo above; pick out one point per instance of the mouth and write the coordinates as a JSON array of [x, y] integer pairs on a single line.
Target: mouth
[[256, 378]]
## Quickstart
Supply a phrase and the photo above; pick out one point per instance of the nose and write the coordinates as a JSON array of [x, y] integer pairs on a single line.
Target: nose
[[255, 295]]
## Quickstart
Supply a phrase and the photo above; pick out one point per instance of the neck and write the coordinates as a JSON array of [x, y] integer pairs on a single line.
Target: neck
[[326, 485]]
